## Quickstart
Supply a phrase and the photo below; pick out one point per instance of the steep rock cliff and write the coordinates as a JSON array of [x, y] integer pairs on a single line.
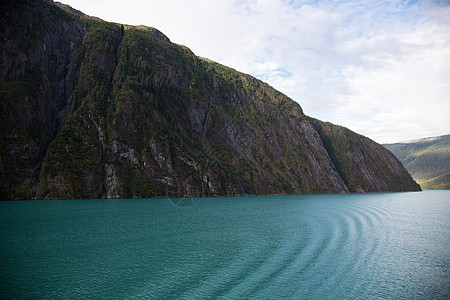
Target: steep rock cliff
[[39, 62], [92, 109], [364, 165]]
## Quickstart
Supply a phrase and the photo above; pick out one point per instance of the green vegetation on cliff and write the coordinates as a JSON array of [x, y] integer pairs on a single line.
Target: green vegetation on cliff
[[364, 165], [120, 111], [428, 161], [35, 79]]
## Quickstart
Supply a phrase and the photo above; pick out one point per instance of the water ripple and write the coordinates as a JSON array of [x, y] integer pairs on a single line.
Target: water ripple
[[321, 247]]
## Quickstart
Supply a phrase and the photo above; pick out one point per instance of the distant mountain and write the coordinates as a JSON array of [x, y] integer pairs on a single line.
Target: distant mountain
[[427, 160], [91, 109]]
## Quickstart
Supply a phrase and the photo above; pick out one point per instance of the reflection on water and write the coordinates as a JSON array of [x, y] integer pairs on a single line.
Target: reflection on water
[[322, 246]]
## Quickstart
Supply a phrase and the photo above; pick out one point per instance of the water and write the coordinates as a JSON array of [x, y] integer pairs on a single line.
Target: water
[[394, 246]]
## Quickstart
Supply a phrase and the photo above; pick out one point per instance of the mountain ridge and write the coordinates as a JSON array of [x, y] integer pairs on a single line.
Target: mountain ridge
[[427, 160], [92, 109]]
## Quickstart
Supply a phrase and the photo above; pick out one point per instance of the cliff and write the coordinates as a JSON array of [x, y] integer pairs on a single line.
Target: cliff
[[91, 109]]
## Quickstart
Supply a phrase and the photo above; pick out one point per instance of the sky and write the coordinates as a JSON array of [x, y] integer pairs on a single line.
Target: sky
[[380, 68]]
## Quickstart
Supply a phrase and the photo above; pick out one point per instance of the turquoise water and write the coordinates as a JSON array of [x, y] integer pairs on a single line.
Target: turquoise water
[[393, 246]]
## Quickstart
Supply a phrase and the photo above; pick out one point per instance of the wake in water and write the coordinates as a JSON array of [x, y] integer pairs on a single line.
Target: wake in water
[[326, 246]]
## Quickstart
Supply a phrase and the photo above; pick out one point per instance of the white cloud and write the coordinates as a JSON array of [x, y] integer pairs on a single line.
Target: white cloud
[[399, 90], [381, 68]]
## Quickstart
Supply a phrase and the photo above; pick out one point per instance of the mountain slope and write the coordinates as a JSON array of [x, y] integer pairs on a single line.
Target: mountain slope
[[40, 61], [92, 109], [362, 163], [428, 160]]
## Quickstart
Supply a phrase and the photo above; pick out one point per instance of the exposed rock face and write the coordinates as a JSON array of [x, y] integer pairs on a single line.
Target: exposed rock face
[[39, 47], [364, 165], [91, 109]]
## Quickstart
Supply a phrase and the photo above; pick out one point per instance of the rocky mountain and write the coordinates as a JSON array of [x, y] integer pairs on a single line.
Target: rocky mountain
[[91, 109], [427, 160]]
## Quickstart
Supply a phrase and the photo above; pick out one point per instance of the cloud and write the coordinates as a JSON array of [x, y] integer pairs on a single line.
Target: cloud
[[399, 90], [381, 68]]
